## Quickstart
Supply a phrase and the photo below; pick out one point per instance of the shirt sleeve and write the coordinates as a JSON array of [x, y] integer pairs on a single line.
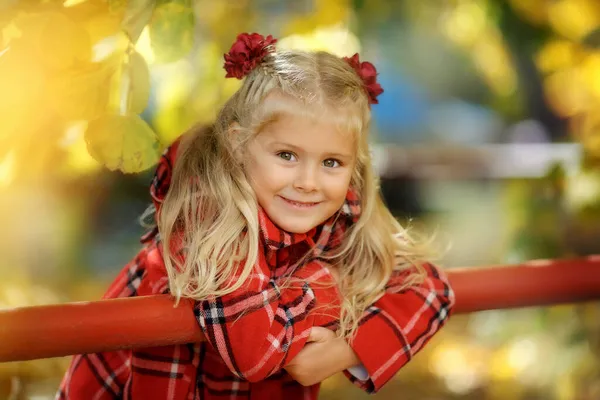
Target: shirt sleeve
[[160, 372], [260, 327], [103, 375], [398, 325]]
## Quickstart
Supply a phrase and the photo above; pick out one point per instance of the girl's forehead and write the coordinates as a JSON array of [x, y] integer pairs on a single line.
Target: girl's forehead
[[292, 125], [279, 109]]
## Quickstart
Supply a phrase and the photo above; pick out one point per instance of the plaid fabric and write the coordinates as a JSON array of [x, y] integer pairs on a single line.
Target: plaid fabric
[[399, 324], [253, 332]]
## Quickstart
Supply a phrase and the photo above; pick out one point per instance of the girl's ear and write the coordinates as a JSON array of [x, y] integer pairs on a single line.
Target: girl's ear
[[234, 135]]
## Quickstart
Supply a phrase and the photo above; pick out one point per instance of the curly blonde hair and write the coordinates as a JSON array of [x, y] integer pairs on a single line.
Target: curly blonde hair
[[209, 181]]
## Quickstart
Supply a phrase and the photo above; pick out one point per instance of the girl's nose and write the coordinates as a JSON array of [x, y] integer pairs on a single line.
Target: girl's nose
[[306, 180]]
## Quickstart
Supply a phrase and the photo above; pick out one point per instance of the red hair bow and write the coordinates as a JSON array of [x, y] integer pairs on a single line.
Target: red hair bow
[[246, 53], [368, 73]]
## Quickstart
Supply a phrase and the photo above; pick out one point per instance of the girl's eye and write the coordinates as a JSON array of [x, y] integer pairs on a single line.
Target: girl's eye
[[286, 155], [331, 163]]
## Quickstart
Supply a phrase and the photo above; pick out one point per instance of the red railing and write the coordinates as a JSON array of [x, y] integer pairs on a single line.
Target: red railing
[[56, 330]]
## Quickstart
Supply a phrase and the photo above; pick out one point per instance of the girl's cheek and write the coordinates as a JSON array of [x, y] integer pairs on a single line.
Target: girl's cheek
[[340, 182]]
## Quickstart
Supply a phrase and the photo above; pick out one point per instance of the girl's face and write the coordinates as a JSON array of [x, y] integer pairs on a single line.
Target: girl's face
[[300, 170]]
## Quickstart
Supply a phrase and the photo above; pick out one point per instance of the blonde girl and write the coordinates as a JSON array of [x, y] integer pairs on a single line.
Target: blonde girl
[[272, 222]]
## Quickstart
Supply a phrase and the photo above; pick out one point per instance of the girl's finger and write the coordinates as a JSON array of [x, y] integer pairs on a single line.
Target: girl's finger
[[317, 334]]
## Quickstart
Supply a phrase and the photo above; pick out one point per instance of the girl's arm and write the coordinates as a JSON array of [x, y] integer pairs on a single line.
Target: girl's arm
[[323, 356], [399, 324], [391, 332], [260, 327]]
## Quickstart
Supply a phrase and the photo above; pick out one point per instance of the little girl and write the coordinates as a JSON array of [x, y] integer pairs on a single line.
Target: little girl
[[271, 220]]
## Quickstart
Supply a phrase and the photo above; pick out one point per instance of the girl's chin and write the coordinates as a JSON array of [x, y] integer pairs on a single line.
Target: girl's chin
[[295, 224]]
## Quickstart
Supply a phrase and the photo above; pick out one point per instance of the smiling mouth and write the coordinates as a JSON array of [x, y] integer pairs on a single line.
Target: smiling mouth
[[300, 204]]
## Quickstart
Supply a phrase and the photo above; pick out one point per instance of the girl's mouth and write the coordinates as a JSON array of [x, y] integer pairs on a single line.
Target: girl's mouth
[[299, 204]]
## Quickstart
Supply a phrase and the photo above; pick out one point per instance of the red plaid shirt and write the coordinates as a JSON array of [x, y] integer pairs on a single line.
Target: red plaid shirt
[[252, 333]]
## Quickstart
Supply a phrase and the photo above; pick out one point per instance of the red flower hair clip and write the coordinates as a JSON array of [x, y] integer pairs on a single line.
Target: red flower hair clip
[[246, 53], [368, 73]]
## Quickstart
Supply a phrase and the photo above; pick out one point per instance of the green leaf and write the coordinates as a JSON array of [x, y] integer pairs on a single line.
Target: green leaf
[[172, 31], [137, 15], [139, 80], [82, 94], [122, 142]]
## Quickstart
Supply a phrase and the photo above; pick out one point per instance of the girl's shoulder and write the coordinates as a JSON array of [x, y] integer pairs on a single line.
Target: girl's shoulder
[[144, 275]]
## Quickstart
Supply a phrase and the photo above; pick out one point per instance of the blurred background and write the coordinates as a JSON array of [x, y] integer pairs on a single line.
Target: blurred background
[[488, 135]]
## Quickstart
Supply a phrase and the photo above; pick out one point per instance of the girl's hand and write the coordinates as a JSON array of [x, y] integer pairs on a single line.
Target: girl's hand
[[325, 355]]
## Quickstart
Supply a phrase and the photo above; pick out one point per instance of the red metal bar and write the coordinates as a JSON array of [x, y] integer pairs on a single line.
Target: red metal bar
[[535, 283], [28, 333], [57, 330]]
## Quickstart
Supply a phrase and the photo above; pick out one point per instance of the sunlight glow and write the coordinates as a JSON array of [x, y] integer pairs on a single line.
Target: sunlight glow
[[336, 39]]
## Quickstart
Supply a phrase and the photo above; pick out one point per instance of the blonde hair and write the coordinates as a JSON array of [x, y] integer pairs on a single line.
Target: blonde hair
[[212, 210]]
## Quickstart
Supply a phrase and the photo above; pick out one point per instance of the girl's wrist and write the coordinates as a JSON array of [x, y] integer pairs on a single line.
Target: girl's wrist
[[348, 355]]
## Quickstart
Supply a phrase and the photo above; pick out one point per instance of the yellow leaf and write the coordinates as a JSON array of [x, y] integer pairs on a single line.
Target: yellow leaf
[[586, 130], [77, 158], [20, 77], [62, 42], [324, 13], [573, 18], [102, 26], [137, 15], [172, 31], [139, 78], [557, 54], [122, 142], [82, 94], [25, 82], [534, 11], [28, 24], [8, 32], [566, 92], [83, 10], [58, 41], [129, 87], [117, 5]]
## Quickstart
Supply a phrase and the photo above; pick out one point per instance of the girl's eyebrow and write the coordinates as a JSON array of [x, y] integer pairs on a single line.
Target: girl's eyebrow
[[340, 155], [284, 144]]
